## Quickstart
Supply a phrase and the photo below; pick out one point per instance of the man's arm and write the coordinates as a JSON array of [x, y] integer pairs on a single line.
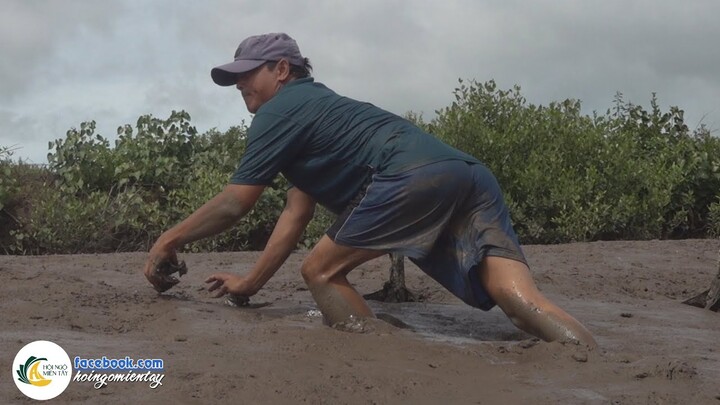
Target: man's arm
[[298, 212], [218, 214]]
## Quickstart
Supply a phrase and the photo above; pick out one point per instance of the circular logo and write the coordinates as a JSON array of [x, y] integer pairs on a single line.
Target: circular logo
[[42, 370]]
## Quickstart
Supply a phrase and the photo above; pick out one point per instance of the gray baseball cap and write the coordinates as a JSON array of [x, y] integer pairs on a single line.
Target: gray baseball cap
[[256, 50]]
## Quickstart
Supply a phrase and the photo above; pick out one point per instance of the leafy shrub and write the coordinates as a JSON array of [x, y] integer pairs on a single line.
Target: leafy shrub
[[630, 173], [8, 184], [315, 230], [714, 218], [20, 186], [105, 198], [98, 222]]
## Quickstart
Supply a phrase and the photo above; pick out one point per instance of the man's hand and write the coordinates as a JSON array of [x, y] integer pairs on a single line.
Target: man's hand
[[215, 216], [227, 283], [160, 265]]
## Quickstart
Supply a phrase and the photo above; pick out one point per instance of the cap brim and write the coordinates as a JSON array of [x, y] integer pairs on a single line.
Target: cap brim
[[226, 75]]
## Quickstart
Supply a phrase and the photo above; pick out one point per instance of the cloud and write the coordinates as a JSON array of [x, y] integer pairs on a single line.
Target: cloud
[[67, 62], [34, 31]]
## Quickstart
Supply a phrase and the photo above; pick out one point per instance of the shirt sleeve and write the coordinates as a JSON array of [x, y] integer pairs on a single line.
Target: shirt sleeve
[[273, 142]]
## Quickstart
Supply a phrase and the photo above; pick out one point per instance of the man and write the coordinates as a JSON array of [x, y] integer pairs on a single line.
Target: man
[[394, 187]]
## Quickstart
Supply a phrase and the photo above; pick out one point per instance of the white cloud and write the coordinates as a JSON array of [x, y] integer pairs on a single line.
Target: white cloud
[[62, 63]]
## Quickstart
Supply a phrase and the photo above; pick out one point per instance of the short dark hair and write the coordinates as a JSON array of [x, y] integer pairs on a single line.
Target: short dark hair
[[299, 72]]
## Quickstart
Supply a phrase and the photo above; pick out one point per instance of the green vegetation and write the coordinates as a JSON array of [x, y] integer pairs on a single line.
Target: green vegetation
[[97, 198], [627, 174], [630, 173]]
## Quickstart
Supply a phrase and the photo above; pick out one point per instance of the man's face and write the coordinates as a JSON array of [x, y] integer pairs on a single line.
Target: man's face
[[258, 86]]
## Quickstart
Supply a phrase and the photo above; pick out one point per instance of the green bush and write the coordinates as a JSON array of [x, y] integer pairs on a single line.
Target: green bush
[[8, 184], [631, 173], [714, 218], [20, 187], [121, 198], [315, 230], [96, 222]]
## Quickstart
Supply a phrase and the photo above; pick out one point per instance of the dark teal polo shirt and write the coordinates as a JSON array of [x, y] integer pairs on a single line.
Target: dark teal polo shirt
[[327, 145]]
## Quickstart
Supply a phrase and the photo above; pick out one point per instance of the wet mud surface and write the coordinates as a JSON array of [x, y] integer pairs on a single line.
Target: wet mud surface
[[653, 349]]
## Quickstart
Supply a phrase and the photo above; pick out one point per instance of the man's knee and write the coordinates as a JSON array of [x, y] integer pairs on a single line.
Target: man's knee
[[312, 272], [317, 269], [515, 305], [510, 285], [329, 260]]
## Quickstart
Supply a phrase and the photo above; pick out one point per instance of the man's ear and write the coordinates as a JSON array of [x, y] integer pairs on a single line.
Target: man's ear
[[283, 70]]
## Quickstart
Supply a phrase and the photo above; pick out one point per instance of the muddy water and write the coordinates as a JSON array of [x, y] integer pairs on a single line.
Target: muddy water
[[451, 323], [462, 324], [456, 324]]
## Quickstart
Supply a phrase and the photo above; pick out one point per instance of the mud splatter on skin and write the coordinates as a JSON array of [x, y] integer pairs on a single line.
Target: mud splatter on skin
[[339, 312], [551, 324], [335, 307]]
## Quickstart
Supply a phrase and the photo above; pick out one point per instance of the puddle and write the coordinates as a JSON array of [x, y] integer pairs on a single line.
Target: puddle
[[456, 324], [450, 323]]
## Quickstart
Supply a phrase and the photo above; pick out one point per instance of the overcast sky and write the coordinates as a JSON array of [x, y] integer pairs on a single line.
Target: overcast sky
[[67, 61]]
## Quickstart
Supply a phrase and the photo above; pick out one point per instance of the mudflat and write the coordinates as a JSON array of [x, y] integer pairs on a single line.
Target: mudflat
[[653, 349]]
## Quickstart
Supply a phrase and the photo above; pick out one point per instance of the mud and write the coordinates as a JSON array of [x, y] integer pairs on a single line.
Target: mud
[[652, 348]]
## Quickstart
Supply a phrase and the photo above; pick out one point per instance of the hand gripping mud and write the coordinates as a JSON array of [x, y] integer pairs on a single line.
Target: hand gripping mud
[[165, 278]]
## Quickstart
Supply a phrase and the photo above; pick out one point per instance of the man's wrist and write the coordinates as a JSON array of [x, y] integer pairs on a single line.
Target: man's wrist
[[169, 240], [255, 282]]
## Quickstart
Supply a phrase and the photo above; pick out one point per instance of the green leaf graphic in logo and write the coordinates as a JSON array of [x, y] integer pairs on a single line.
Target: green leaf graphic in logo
[[23, 369]]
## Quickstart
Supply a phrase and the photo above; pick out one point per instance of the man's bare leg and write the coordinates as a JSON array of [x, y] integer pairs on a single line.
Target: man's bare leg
[[325, 272], [511, 286]]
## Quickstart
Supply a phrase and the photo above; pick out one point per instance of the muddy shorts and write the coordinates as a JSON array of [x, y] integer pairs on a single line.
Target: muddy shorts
[[445, 217]]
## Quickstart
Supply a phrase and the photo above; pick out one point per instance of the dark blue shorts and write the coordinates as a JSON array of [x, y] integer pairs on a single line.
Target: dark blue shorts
[[446, 217]]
